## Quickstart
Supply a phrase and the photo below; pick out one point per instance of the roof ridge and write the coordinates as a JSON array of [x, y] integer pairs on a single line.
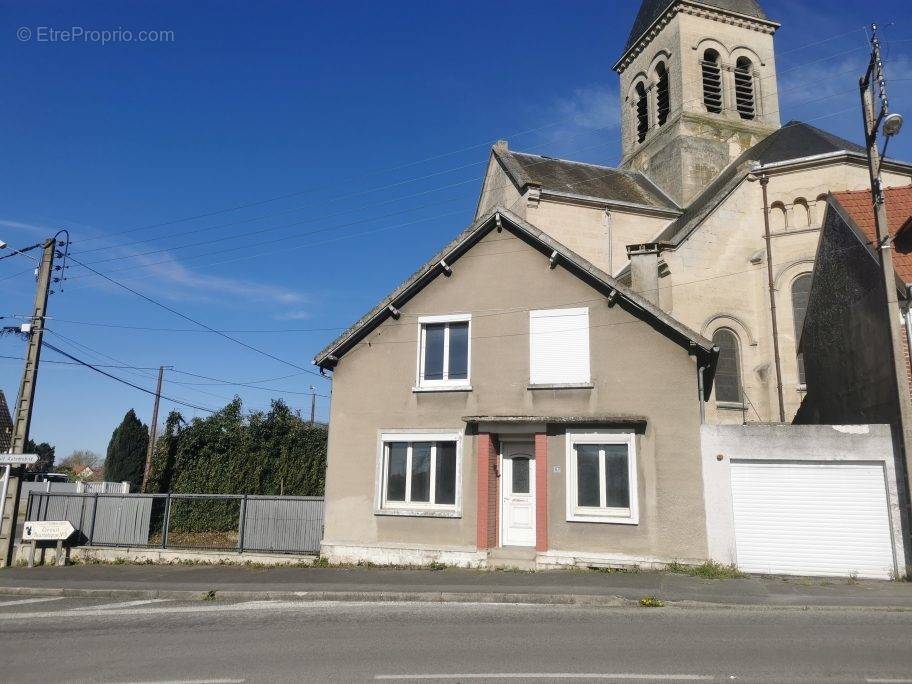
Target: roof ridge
[[573, 161]]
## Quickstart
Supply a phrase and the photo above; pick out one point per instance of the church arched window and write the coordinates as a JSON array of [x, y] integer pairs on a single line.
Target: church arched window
[[801, 295], [642, 112], [744, 88], [778, 216], [663, 96], [712, 81], [728, 367], [802, 213]]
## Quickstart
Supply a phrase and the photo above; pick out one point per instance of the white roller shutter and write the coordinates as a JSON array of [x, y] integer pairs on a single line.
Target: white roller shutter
[[559, 346], [812, 519]]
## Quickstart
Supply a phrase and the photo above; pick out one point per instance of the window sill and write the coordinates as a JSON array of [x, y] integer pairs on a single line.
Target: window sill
[[561, 386], [606, 519], [444, 388], [802, 388], [731, 406], [420, 512]]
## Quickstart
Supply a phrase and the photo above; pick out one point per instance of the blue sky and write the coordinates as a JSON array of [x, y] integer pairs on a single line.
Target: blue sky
[[372, 120]]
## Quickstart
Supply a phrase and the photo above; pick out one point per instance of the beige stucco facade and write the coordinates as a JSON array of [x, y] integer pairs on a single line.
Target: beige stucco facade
[[636, 370]]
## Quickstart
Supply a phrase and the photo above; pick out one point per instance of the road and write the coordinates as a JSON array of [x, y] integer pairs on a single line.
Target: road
[[66, 639]]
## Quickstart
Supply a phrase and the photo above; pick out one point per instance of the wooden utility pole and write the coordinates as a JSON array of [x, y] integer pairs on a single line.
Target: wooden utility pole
[[22, 418], [153, 429], [872, 125]]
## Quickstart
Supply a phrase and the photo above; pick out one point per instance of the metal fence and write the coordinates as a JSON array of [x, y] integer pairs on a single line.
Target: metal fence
[[281, 524]]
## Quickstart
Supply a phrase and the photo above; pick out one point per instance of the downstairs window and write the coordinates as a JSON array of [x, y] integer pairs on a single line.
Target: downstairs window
[[602, 477], [419, 472]]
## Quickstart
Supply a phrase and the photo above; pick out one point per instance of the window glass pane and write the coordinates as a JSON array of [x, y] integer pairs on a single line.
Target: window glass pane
[[459, 351], [433, 351], [520, 475], [617, 482], [801, 295], [728, 368], [445, 477], [587, 475], [395, 470], [421, 471]]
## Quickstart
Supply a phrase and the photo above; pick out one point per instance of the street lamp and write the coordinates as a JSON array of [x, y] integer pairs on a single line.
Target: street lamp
[[892, 124]]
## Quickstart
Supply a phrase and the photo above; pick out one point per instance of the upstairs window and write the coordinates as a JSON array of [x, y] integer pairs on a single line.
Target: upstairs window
[[444, 352], [663, 96], [559, 347], [801, 295], [728, 368], [744, 88], [712, 81], [642, 112]]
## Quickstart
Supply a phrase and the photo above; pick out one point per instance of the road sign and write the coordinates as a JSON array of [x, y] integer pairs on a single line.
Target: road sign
[[47, 530], [18, 459]]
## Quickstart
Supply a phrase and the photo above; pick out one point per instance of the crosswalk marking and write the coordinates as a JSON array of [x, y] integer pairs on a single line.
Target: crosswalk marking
[[22, 602]]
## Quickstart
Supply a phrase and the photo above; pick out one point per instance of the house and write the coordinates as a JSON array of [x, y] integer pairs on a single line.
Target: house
[[845, 340], [700, 107], [566, 382], [6, 425], [512, 394]]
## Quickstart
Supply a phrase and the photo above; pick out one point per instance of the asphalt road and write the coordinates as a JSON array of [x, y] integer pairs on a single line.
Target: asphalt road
[[64, 639]]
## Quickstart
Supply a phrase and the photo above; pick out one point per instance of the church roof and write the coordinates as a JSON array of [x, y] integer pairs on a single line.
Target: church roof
[[651, 10], [589, 180], [795, 140]]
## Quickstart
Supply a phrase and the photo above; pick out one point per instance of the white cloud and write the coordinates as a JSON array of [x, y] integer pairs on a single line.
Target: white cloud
[[28, 227], [589, 122]]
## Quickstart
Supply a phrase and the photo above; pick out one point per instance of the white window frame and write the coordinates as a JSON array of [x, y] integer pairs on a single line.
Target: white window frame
[[418, 508], [445, 383], [602, 514]]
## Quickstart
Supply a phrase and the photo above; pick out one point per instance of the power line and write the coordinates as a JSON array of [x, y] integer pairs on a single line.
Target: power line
[[197, 322], [122, 381]]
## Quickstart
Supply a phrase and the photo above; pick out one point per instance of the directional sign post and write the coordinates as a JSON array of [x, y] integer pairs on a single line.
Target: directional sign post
[[47, 530]]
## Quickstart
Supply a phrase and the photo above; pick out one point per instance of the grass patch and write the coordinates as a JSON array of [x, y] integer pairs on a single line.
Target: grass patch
[[210, 595], [708, 570], [651, 602]]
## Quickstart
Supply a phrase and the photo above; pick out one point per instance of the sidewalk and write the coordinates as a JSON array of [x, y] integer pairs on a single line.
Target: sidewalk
[[376, 584]]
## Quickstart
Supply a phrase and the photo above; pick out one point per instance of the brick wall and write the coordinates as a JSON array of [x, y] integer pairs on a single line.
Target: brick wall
[[486, 535], [541, 492]]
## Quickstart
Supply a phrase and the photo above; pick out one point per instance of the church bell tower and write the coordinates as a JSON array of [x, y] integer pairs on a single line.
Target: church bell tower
[[698, 88]]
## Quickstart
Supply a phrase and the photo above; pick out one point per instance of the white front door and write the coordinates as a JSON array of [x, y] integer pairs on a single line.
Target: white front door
[[517, 494]]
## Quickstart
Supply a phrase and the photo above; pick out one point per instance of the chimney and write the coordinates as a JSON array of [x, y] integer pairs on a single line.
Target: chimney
[[644, 269], [501, 146]]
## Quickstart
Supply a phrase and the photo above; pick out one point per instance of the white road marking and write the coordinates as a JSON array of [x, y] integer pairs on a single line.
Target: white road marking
[[551, 675], [22, 602], [189, 681], [888, 681], [122, 604]]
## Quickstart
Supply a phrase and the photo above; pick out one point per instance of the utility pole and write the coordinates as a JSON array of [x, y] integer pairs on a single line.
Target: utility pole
[[23, 415], [891, 123], [757, 174], [313, 404], [153, 429]]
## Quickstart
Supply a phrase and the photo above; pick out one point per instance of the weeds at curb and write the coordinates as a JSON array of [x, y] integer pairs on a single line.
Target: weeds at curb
[[708, 570], [210, 595], [651, 602]]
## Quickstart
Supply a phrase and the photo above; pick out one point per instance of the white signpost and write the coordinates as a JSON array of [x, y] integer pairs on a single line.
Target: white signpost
[[47, 530], [8, 461]]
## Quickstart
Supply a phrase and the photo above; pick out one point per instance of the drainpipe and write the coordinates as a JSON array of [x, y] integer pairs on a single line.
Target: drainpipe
[[700, 396], [608, 222], [909, 320]]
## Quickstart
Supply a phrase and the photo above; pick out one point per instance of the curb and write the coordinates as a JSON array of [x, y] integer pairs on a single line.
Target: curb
[[586, 600]]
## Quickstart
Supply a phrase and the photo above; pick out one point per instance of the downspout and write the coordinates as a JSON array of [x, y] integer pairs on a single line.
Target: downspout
[[608, 222], [909, 320], [700, 397]]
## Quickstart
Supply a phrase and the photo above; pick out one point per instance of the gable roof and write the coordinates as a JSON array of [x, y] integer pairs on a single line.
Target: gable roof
[[586, 180], [567, 258], [6, 425], [795, 140], [651, 10], [859, 206]]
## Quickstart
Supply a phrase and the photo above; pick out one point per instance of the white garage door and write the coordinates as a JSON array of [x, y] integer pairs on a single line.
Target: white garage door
[[811, 519]]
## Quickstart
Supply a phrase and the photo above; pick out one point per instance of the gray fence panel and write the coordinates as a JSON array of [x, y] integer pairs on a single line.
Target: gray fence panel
[[284, 524], [122, 521]]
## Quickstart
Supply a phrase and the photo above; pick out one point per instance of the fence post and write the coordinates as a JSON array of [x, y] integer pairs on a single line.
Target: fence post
[[166, 521], [94, 515], [28, 506], [241, 522]]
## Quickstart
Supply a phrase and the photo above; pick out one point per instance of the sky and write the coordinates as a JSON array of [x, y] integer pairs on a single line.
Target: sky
[[277, 168]]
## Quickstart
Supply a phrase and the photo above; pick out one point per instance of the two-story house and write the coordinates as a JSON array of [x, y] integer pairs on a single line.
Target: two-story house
[[512, 394]]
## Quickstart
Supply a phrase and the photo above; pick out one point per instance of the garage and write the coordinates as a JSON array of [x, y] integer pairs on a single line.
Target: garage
[[812, 518], [803, 499]]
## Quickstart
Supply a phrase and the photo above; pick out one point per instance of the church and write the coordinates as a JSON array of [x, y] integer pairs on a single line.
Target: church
[[585, 376], [679, 218]]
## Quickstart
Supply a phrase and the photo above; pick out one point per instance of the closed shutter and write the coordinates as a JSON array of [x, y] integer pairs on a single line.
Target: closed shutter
[[812, 519], [559, 346]]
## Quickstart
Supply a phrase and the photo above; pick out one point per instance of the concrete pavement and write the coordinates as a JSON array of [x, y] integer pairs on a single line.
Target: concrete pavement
[[580, 587], [94, 640]]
